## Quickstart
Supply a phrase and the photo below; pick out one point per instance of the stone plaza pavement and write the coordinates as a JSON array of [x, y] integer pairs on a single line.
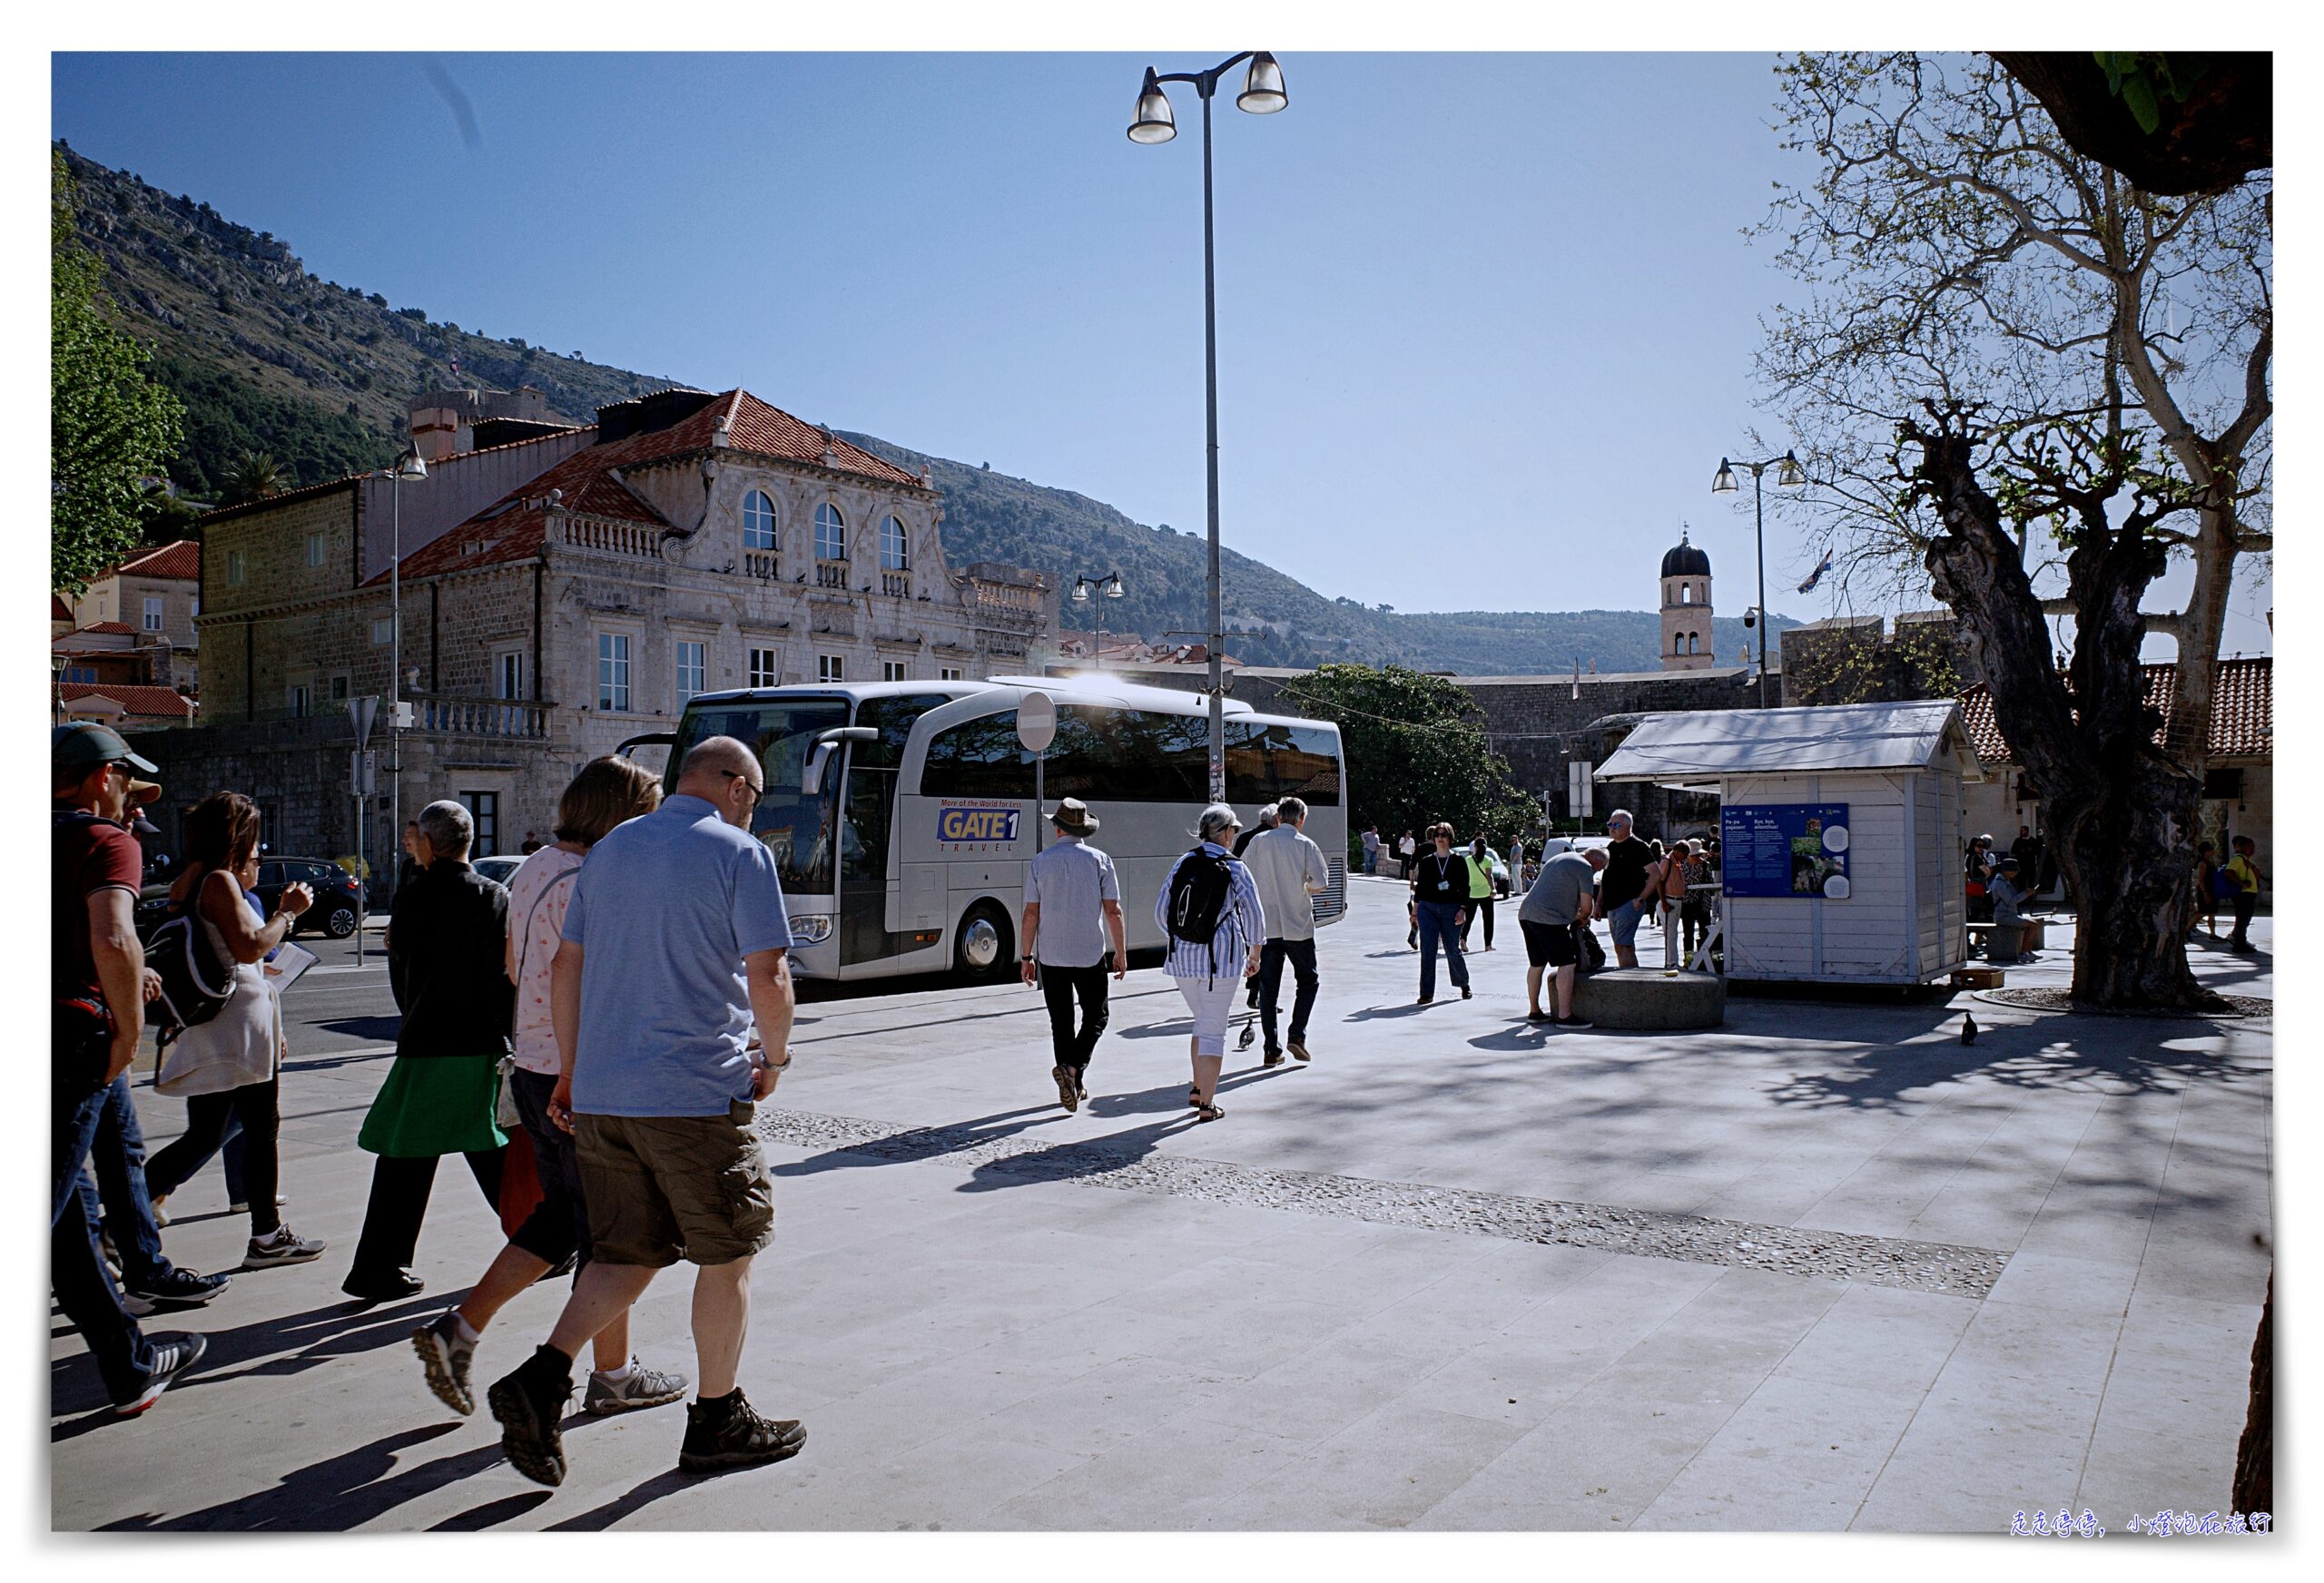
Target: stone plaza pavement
[[1825, 1268]]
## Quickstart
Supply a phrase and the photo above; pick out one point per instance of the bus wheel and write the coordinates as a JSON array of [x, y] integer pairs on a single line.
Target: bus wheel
[[982, 949]]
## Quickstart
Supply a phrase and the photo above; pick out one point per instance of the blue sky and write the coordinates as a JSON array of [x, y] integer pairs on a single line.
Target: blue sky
[[1486, 321]]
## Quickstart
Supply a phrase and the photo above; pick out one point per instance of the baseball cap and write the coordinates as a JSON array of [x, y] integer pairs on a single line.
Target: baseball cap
[[85, 745]]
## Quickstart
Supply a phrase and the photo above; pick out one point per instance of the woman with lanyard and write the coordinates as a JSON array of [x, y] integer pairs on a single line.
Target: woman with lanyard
[[1441, 897], [1478, 858]]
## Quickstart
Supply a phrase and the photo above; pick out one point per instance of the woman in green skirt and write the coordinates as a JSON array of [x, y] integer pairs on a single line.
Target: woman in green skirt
[[444, 965]]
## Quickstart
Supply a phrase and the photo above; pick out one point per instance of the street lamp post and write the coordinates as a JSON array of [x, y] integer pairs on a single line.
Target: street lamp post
[[1108, 586], [410, 468], [1788, 475], [1262, 94]]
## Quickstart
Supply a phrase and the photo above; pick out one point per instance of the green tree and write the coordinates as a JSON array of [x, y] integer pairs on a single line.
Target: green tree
[[1416, 752], [111, 428], [252, 476]]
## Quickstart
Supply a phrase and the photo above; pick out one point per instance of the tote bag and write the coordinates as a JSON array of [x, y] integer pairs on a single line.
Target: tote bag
[[233, 1050]]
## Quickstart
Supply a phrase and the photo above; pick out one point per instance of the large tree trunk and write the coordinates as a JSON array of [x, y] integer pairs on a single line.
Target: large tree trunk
[[2118, 809], [2255, 1457]]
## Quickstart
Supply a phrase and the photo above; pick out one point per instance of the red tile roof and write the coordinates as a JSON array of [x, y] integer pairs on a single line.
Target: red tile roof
[[512, 528], [57, 609], [113, 627], [156, 703], [2242, 710], [182, 558]]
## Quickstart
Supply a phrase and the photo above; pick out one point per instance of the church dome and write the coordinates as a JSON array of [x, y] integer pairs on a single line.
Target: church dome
[[1684, 560]]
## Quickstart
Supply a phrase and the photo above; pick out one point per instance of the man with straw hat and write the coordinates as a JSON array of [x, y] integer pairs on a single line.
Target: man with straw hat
[[1072, 920]]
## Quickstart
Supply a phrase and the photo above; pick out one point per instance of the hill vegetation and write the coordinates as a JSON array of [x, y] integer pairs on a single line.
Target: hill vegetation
[[316, 375]]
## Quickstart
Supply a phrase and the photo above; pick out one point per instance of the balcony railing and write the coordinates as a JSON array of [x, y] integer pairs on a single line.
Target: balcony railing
[[831, 574], [761, 564], [613, 537], [505, 718], [896, 585]]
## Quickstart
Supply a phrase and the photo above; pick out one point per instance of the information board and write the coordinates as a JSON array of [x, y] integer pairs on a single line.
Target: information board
[[1785, 848]]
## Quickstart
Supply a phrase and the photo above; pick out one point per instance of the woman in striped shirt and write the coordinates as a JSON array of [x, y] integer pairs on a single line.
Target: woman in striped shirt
[[1209, 972]]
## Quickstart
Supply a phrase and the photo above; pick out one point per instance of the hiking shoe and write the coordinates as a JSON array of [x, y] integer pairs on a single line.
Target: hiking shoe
[[645, 1388], [1067, 1093], [739, 1437], [173, 1356], [1298, 1050], [529, 1404], [173, 1289], [283, 1247], [1272, 1058], [446, 1357]]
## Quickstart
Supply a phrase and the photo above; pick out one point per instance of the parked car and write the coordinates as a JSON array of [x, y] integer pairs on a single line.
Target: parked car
[[499, 870], [334, 911]]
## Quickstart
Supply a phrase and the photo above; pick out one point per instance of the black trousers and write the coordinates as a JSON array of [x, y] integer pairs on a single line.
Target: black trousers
[[400, 1184], [1061, 988], [1301, 953], [258, 1107], [1479, 906]]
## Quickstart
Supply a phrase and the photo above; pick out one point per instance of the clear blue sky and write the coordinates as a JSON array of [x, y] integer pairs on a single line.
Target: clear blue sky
[[1486, 321]]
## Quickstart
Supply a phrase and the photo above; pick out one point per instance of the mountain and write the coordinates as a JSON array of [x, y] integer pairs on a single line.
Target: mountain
[[268, 358]]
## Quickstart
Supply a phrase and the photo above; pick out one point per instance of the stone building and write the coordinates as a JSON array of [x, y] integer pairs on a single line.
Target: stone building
[[156, 594], [1858, 659], [1686, 608], [562, 591]]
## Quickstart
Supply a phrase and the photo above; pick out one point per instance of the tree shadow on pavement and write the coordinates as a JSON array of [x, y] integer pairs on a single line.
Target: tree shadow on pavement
[[2116, 1056], [336, 1494]]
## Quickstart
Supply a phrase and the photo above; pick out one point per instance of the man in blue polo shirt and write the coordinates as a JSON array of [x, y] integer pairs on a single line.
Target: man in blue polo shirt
[[674, 948]]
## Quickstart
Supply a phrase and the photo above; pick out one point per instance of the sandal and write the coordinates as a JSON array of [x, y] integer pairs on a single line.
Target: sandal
[[1193, 1097], [1207, 1113]]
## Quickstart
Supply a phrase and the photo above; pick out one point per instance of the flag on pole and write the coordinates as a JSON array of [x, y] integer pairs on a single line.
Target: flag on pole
[[1817, 576]]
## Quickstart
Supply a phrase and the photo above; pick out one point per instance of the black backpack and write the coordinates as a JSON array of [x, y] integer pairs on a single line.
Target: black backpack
[[1199, 889], [196, 982]]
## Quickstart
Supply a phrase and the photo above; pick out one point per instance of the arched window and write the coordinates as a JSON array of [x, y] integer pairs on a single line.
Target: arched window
[[1690, 644], [894, 549], [1686, 593], [758, 521], [1677, 642], [831, 533]]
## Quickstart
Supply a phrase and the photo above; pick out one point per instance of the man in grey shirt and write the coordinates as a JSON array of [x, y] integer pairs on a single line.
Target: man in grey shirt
[[1288, 868], [1558, 898], [1073, 912]]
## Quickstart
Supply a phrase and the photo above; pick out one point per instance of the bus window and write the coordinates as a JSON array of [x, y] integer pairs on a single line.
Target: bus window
[[978, 758], [797, 828], [1267, 762], [893, 718]]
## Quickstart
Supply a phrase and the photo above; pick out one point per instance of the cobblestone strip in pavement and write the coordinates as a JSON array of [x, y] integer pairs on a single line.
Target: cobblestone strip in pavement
[[1964, 1272]]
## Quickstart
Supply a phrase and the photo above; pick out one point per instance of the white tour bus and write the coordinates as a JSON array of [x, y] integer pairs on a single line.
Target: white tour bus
[[903, 812]]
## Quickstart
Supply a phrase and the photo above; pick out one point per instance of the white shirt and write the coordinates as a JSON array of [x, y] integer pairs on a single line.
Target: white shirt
[[1283, 863]]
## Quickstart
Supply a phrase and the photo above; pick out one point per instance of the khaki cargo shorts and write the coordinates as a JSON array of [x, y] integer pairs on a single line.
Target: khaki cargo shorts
[[662, 1188]]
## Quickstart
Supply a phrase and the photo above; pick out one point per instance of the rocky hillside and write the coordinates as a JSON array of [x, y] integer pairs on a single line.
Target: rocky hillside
[[268, 358]]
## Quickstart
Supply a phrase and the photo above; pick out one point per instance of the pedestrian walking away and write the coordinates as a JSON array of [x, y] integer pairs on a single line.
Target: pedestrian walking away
[[1555, 904], [1268, 818], [1441, 904], [675, 944], [2244, 873], [1210, 910], [1073, 933], [607, 793], [1289, 872], [228, 1066], [1622, 885], [442, 1093], [1478, 858], [97, 992]]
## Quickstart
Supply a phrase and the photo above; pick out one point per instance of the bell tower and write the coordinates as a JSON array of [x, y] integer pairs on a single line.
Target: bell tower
[[1686, 608]]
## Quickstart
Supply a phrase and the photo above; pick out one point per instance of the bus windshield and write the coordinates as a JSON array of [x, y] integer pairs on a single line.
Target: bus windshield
[[782, 733]]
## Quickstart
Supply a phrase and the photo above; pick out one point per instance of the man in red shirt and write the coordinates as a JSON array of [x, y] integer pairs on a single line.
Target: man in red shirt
[[98, 1013]]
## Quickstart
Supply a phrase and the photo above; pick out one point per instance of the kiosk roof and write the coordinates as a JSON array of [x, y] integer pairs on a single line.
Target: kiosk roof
[[1708, 745]]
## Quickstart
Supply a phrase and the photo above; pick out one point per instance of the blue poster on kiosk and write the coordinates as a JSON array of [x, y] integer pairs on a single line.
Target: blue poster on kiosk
[[1785, 848]]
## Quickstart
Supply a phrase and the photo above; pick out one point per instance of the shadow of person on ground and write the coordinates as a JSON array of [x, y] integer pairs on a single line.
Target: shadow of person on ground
[[334, 1495]]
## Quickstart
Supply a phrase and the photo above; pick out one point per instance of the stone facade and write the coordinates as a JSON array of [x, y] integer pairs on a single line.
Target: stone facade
[[576, 611], [1857, 659]]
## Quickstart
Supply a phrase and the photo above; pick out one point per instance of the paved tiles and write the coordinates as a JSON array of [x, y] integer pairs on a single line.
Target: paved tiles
[[1459, 1274]]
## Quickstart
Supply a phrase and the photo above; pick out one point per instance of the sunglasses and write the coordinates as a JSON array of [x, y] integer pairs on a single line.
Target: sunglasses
[[756, 791]]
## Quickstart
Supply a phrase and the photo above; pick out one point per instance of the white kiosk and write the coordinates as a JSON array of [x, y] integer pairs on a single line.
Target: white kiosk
[[1840, 833]]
